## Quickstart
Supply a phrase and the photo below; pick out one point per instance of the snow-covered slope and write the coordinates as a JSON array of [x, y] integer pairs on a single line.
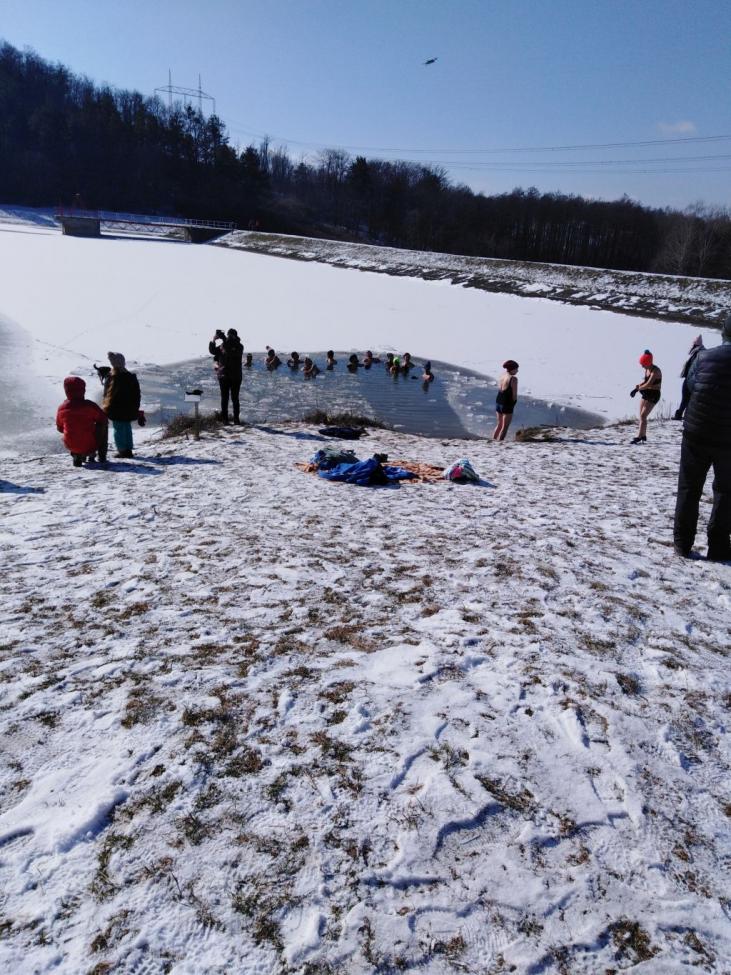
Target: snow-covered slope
[[670, 297], [256, 722], [66, 301]]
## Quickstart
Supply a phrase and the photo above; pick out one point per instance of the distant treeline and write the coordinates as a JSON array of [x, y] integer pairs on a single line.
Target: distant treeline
[[64, 139]]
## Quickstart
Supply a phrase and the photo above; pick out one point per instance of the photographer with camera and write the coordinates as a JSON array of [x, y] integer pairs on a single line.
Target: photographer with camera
[[227, 352]]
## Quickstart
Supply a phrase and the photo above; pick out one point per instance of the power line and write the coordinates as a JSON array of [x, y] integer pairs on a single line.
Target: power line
[[593, 162], [590, 172], [565, 148]]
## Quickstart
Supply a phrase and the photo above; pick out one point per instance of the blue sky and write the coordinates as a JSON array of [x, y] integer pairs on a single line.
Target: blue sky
[[510, 75]]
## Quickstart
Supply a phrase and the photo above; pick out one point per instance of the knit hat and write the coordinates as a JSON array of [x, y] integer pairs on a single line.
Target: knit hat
[[510, 364], [116, 360], [726, 330], [646, 359]]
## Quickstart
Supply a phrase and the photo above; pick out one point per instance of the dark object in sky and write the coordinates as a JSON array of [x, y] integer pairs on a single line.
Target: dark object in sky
[[431, 60]]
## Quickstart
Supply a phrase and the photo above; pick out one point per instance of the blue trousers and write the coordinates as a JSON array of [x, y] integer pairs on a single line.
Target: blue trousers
[[122, 434]]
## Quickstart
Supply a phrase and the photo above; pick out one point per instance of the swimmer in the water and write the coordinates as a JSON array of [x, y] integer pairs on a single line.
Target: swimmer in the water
[[272, 360], [311, 369]]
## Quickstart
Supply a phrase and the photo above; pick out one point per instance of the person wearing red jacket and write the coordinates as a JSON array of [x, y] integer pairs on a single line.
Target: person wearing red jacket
[[83, 424]]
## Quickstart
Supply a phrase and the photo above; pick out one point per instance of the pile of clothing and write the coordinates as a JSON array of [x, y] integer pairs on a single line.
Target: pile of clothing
[[343, 433], [337, 464], [342, 465]]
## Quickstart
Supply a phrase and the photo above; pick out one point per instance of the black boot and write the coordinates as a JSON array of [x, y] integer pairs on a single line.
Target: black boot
[[78, 459], [718, 553]]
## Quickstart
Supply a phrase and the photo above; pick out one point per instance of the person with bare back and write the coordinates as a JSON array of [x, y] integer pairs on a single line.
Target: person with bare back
[[507, 397]]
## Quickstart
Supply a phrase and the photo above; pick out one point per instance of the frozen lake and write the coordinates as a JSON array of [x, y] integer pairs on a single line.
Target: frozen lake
[[66, 301]]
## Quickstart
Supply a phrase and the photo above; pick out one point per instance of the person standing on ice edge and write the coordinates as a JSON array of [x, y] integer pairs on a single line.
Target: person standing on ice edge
[[706, 442], [507, 397], [121, 402], [693, 351], [227, 352], [649, 389]]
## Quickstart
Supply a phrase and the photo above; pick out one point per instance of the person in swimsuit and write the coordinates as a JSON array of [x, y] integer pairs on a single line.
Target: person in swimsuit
[[507, 397], [331, 360], [650, 391]]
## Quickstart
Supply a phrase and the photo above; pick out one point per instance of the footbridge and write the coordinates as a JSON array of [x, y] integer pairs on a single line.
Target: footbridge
[[88, 223]]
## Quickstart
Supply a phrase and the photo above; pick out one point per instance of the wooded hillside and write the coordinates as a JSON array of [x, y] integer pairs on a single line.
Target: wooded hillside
[[62, 138]]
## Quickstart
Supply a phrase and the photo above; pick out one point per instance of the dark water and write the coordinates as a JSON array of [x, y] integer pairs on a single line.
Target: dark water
[[458, 403]]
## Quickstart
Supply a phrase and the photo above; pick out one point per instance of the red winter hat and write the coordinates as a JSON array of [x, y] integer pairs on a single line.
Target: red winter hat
[[646, 359]]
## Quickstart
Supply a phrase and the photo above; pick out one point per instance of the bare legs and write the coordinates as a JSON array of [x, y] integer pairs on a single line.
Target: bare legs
[[646, 407], [503, 422]]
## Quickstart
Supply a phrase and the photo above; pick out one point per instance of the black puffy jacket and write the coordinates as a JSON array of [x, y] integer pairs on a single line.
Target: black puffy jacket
[[227, 357], [708, 417]]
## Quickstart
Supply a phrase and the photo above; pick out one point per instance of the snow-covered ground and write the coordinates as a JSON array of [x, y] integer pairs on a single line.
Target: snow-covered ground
[[255, 722], [66, 301]]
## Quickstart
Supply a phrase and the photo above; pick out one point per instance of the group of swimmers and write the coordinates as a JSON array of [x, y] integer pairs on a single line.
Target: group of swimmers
[[396, 365]]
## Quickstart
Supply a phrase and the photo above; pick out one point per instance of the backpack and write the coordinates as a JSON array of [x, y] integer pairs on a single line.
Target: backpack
[[462, 472]]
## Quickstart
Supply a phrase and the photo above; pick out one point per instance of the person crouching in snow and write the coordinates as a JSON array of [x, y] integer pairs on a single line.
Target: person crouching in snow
[[650, 391], [83, 424], [121, 403]]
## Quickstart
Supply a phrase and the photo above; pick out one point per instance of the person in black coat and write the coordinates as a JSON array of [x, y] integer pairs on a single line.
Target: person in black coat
[[227, 352], [693, 351], [706, 443], [121, 401]]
